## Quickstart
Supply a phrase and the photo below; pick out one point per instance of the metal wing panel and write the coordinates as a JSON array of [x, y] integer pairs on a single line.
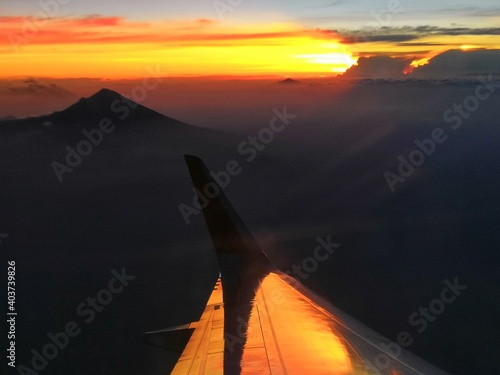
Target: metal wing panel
[[204, 353], [290, 330], [365, 343], [266, 322], [301, 338]]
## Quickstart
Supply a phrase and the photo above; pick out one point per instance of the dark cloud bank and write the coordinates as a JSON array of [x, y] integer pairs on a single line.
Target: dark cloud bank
[[448, 65]]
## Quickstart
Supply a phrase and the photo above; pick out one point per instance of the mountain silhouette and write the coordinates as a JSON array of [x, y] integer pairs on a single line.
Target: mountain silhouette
[[107, 104], [289, 81], [104, 104]]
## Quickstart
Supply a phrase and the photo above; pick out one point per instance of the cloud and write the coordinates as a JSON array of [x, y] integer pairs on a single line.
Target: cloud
[[455, 31], [472, 11], [378, 67], [452, 64], [366, 38], [206, 21], [459, 64], [11, 19], [329, 5], [409, 33], [96, 28], [97, 20], [33, 87], [92, 20], [421, 44]]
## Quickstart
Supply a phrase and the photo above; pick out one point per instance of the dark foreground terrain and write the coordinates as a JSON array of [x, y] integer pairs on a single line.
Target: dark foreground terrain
[[118, 208]]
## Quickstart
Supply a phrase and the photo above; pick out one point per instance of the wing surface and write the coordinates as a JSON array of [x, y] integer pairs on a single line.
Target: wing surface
[[261, 321]]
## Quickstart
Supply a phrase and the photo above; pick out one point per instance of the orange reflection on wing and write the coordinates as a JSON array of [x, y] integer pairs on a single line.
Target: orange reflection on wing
[[297, 337]]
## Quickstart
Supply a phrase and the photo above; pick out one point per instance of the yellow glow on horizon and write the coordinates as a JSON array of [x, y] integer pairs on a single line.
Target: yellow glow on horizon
[[338, 62], [466, 47], [292, 55], [117, 48], [190, 48]]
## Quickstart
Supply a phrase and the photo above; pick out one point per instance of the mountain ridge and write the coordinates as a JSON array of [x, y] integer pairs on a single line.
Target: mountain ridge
[[102, 105], [107, 103]]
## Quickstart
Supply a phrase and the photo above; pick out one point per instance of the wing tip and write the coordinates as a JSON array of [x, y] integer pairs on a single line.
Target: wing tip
[[192, 158]]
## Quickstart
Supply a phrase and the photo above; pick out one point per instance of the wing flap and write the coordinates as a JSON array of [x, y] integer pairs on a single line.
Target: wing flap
[[172, 339]]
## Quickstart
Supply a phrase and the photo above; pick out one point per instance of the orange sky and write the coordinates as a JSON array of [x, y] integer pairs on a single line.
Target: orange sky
[[115, 47]]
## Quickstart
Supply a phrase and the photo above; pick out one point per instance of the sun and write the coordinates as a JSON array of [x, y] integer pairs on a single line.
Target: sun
[[333, 57], [338, 62], [215, 50]]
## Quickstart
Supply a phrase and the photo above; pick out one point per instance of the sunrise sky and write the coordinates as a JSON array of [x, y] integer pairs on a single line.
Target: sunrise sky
[[118, 39]]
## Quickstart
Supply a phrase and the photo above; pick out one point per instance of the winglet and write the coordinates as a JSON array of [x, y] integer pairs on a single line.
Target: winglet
[[229, 233], [242, 263]]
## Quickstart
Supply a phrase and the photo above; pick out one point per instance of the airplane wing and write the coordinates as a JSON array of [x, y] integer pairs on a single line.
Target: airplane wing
[[259, 320]]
